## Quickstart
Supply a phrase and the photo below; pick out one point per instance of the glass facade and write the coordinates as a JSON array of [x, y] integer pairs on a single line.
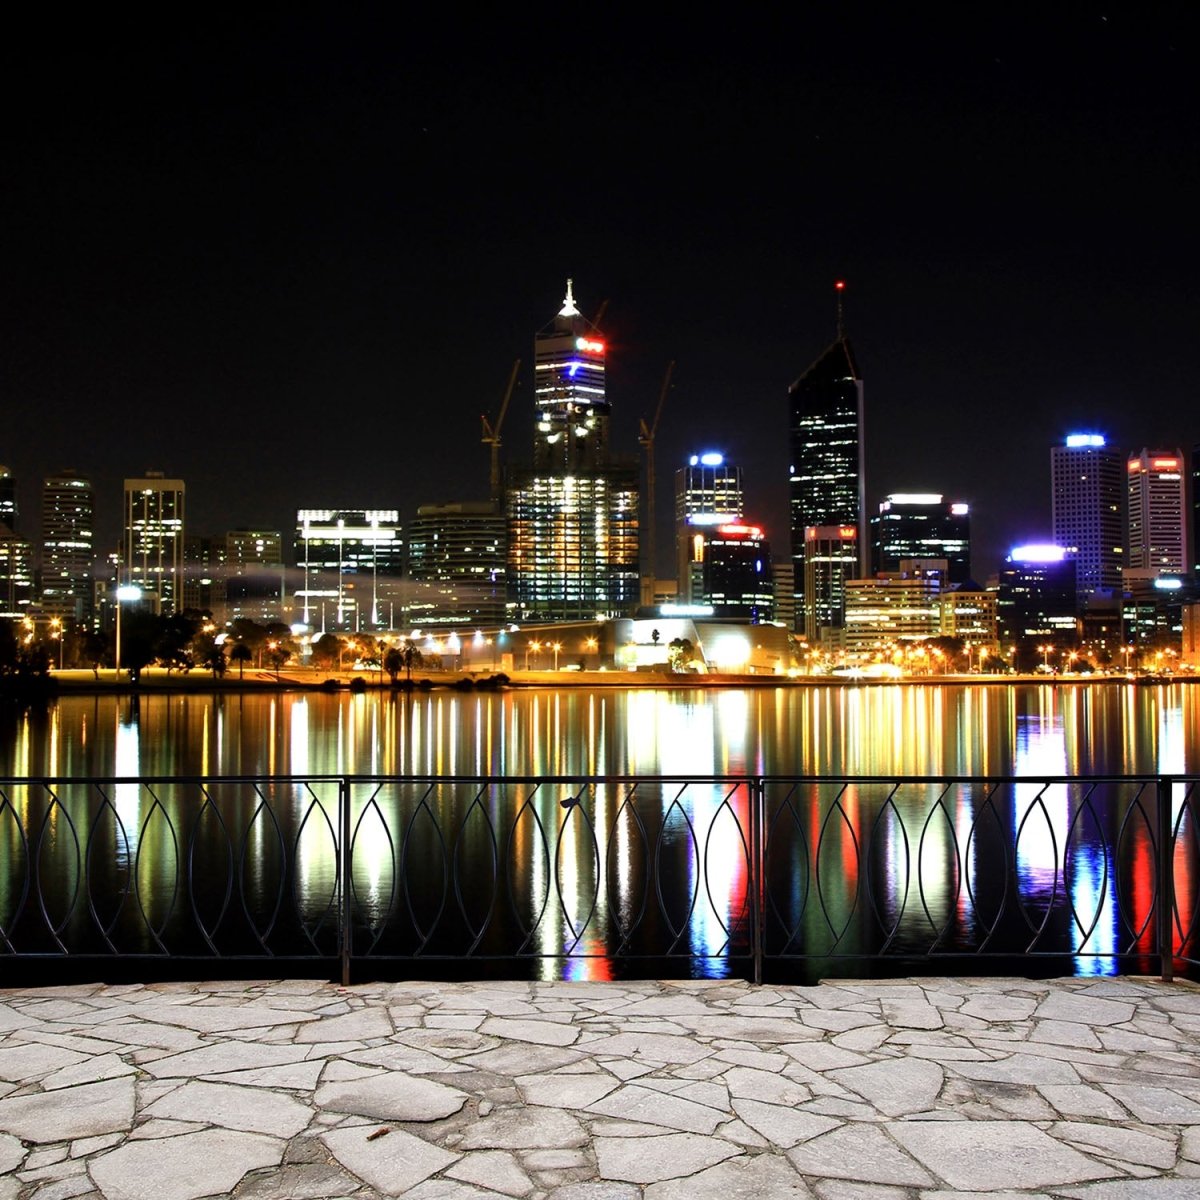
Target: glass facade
[[919, 526], [1087, 506], [456, 566], [573, 544], [350, 561], [68, 546], [153, 550], [826, 476]]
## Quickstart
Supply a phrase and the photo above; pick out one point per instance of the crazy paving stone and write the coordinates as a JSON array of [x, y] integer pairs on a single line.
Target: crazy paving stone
[[650, 1159], [780, 1125], [524, 1129], [391, 1164], [11, 1153], [249, 1109], [1126, 1145], [493, 1169], [85, 1111], [185, 1167], [860, 1152], [749, 1177], [1151, 1105], [636, 1103], [978, 1155], [894, 1086], [392, 1097], [540, 1033], [565, 1091]]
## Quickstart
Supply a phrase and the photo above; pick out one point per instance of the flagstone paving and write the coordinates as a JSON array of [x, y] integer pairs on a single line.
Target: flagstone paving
[[1087, 1089]]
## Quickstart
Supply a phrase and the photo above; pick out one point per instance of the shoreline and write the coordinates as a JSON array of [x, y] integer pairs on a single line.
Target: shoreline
[[158, 682]]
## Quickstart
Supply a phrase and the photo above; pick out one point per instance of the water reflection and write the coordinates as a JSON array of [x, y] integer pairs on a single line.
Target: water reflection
[[897, 868]]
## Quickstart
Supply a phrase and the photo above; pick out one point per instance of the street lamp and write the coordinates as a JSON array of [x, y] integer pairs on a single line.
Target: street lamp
[[557, 647], [535, 647], [131, 595], [1045, 657], [56, 625]]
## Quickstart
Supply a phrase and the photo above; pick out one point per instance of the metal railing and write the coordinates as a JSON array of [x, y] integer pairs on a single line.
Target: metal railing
[[740, 875]]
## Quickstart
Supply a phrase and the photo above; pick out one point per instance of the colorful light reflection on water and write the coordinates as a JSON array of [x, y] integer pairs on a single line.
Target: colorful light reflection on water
[[860, 731]]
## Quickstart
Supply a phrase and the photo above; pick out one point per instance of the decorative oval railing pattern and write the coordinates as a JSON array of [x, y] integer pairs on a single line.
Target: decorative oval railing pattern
[[736, 875]]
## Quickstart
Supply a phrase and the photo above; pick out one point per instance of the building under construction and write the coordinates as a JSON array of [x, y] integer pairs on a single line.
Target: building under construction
[[573, 529]]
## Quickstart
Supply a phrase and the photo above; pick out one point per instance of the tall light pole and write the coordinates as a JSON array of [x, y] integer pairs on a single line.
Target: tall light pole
[[557, 648], [130, 594]]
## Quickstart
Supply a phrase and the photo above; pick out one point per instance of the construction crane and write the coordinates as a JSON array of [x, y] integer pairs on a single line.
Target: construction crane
[[491, 433], [646, 435]]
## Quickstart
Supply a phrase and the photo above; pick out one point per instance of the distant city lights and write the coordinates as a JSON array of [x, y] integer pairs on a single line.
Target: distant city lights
[[1037, 552]]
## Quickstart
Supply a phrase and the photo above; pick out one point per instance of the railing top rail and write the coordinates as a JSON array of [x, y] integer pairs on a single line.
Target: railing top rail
[[581, 779]]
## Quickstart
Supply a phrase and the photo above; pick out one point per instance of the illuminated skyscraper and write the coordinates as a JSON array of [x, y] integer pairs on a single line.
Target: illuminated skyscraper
[[1086, 477], [254, 574], [456, 566], [831, 556], [922, 526], [152, 553], [1157, 515], [708, 493], [352, 561], [68, 546], [827, 480], [572, 408], [573, 516], [8, 500]]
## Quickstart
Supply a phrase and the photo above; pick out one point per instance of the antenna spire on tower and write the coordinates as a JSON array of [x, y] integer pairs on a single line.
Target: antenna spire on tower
[[568, 308], [840, 291]]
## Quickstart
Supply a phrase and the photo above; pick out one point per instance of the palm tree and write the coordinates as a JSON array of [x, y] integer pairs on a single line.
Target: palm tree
[[241, 654]]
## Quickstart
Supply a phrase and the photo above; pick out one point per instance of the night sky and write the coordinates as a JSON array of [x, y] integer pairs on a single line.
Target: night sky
[[291, 258]]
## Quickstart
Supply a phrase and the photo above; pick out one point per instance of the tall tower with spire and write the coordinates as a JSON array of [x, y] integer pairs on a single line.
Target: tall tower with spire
[[827, 478], [572, 409], [572, 516]]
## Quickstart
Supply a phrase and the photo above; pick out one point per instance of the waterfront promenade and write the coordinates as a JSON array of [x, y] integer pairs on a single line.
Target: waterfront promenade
[[925, 1089]]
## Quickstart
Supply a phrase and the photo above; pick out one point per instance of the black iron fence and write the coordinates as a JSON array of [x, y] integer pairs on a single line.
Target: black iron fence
[[736, 875]]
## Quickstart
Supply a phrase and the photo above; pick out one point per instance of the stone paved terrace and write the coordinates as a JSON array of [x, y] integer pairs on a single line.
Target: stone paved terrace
[[677, 1091]]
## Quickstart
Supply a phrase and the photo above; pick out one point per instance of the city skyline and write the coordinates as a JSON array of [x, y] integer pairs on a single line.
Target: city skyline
[[301, 263]]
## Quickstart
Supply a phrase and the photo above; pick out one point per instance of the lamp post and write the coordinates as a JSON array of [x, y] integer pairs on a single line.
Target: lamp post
[[56, 626], [557, 646], [130, 594], [1045, 657]]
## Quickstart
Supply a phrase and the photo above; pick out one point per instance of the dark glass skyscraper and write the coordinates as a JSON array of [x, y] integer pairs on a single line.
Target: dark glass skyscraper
[[826, 443], [922, 526]]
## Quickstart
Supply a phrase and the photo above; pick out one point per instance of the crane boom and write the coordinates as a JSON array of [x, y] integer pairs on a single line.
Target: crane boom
[[491, 433], [646, 436]]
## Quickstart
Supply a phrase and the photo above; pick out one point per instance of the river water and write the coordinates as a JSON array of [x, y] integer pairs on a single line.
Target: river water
[[577, 877]]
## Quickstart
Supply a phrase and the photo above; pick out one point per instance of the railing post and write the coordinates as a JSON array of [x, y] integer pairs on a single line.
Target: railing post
[[1166, 880], [347, 935], [757, 873]]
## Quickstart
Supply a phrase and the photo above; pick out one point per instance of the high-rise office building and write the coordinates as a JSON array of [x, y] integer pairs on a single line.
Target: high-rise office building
[[1157, 539], [8, 500], [736, 577], [16, 574], [351, 562], [827, 484], [254, 575], [831, 556], [1087, 503], [152, 549], [916, 525], [572, 404], [708, 494], [68, 546], [204, 575], [1037, 603], [573, 539], [456, 566]]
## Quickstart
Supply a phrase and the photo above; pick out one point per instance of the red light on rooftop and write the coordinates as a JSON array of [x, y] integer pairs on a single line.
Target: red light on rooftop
[[840, 285]]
